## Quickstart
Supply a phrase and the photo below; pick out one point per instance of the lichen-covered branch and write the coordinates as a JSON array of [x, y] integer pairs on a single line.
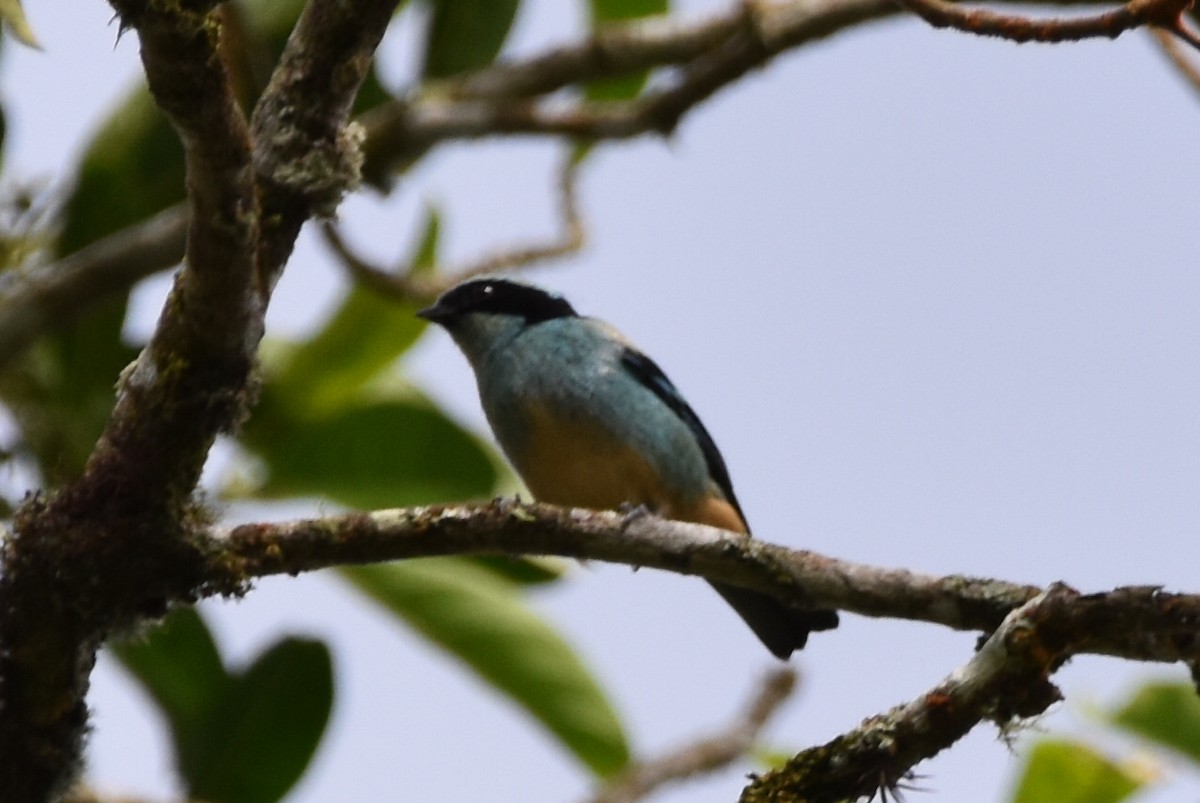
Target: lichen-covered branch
[[307, 155], [1005, 681], [1167, 632], [1032, 632], [109, 546], [117, 544]]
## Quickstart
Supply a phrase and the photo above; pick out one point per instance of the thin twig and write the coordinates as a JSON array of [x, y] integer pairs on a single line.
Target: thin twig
[[501, 99], [1168, 39], [411, 283], [1110, 24], [706, 755]]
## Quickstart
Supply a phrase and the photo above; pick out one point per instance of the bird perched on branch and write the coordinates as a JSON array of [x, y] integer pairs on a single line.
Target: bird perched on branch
[[588, 420]]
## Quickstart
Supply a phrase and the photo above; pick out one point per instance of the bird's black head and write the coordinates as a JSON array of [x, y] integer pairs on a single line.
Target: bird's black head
[[500, 297]]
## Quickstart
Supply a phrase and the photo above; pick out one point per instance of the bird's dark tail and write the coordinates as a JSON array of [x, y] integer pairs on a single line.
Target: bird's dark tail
[[781, 628]]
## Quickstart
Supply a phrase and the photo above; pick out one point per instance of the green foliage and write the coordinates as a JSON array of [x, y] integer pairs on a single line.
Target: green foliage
[[1068, 772], [239, 736], [61, 389], [1162, 713], [465, 34], [369, 454], [363, 338], [334, 421], [480, 618], [1167, 714], [16, 24]]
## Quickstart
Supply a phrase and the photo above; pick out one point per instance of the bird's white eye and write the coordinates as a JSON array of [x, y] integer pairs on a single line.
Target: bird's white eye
[[487, 291]]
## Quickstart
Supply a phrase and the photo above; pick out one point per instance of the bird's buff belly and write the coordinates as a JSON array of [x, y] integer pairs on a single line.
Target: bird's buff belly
[[577, 464], [580, 464]]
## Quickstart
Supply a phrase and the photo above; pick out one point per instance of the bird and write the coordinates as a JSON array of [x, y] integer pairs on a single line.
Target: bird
[[588, 420]]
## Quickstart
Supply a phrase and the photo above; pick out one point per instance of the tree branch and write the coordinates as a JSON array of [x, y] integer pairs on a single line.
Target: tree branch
[[1185, 66], [709, 55], [1167, 632], [706, 755], [496, 100], [306, 155], [1033, 632], [108, 547], [61, 292], [115, 545]]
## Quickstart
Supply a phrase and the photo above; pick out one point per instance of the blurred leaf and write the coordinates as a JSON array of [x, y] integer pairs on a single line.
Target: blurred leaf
[[267, 727], [771, 758], [619, 10], [608, 11], [466, 34], [132, 169], [1165, 713], [482, 620], [60, 391], [180, 668], [14, 19], [244, 737], [372, 454], [366, 335], [273, 20], [525, 571], [1068, 772]]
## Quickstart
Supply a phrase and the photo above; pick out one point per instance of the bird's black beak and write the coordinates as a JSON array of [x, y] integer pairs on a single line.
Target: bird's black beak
[[433, 314]]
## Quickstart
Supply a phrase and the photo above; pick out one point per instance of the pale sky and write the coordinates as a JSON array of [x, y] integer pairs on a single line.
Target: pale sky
[[936, 299]]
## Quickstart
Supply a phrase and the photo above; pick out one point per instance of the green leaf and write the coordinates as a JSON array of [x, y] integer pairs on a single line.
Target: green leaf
[[366, 335], [61, 390], [1165, 713], [525, 571], [621, 10], [371, 454], [482, 620], [132, 169], [466, 34], [14, 20], [245, 737], [267, 727], [179, 667], [604, 12], [1069, 772]]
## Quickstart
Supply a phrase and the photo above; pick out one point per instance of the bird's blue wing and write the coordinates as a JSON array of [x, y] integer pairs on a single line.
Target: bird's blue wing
[[647, 372]]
